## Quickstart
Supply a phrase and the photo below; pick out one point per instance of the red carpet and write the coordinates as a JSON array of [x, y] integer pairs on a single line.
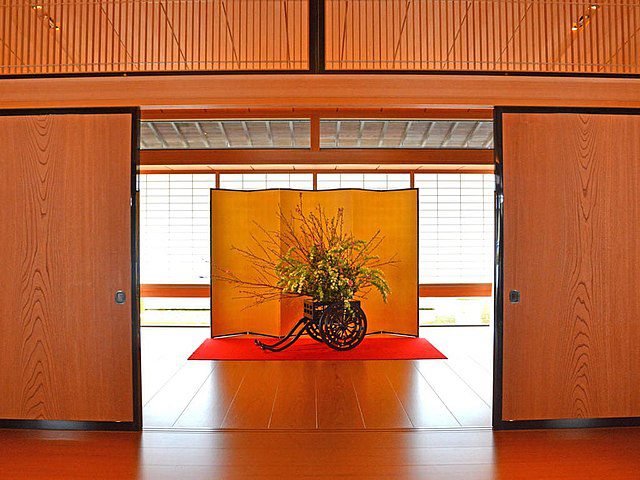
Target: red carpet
[[371, 348]]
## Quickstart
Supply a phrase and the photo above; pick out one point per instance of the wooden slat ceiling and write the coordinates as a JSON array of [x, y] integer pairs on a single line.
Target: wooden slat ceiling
[[53, 36], [71, 36], [406, 134], [282, 133], [481, 35], [225, 134]]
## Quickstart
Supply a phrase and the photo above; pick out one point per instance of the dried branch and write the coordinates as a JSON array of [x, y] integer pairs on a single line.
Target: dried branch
[[312, 256]]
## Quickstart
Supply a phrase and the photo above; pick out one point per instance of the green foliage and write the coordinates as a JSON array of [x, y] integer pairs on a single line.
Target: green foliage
[[312, 256]]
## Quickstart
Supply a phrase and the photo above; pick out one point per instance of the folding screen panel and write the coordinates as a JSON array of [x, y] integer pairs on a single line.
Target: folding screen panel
[[69, 341], [234, 219], [568, 308]]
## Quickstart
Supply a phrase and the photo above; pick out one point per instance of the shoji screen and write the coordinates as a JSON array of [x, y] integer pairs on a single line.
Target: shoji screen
[[259, 181], [174, 227], [370, 181], [456, 227], [174, 220]]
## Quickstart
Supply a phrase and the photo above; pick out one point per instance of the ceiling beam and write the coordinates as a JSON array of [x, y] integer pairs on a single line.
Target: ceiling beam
[[316, 168], [324, 113], [319, 91], [327, 156]]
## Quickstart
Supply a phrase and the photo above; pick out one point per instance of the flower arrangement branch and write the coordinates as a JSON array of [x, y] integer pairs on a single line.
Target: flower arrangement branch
[[312, 256]]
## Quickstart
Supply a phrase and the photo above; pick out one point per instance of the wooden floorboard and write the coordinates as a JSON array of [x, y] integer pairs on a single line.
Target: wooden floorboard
[[379, 404], [253, 404], [295, 406], [467, 406], [423, 406], [165, 407], [292, 395], [436, 455], [210, 404], [337, 406]]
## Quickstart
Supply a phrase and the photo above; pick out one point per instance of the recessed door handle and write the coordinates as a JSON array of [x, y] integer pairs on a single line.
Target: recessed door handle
[[514, 296], [120, 297]]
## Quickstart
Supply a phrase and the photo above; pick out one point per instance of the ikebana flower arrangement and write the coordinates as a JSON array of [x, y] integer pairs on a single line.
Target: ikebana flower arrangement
[[311, 256]]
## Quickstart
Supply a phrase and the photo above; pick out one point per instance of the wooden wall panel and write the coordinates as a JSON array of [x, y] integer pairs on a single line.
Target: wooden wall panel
[[313, 91], [233, 214], [483, 35], [63, 36], [66, 248], [571, 243]]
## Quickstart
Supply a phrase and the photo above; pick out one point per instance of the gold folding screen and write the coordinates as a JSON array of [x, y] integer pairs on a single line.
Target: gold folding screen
[[234, 215]]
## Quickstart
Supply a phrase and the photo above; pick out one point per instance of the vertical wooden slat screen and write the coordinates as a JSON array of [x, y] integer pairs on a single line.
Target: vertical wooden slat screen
[[64, 36], [88, 36], [484, 35]]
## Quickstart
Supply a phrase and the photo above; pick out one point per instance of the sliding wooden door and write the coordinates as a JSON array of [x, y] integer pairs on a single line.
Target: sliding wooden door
[[69, 342], [568, 302]]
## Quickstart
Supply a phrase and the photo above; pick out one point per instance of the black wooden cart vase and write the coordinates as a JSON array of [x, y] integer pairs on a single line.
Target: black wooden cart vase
[[333, 323]]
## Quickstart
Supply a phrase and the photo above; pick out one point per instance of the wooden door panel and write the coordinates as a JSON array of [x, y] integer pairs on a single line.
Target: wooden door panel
[[65, 239], [571, 246]]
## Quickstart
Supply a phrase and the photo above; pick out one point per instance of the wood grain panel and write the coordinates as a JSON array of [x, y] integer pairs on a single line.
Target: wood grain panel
[[311, 91], [571, 244], [66, 248]]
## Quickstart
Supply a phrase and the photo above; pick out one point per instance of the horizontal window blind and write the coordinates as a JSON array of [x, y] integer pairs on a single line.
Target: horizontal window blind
[[456, 218], [174, 228], [258, 181], [175, 220], [370, 181]]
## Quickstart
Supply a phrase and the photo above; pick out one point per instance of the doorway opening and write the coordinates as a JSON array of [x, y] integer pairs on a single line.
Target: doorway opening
[[456, 241]]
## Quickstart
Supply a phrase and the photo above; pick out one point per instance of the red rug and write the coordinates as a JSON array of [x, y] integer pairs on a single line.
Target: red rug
[[371, 348]]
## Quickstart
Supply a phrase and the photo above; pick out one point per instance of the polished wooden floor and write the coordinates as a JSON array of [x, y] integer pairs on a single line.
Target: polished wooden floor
[[303, 395], [433, 455]]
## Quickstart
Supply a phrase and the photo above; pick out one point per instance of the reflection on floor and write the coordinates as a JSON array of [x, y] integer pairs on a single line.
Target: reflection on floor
[[317, 395]]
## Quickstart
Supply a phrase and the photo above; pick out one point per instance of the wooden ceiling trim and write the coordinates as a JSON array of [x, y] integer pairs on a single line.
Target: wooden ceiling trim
[[327, 156], [320, 113], [316, 168], [319, 91]]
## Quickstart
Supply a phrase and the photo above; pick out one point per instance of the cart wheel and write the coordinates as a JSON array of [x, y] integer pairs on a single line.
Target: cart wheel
[[343, 329], [313, 329]]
